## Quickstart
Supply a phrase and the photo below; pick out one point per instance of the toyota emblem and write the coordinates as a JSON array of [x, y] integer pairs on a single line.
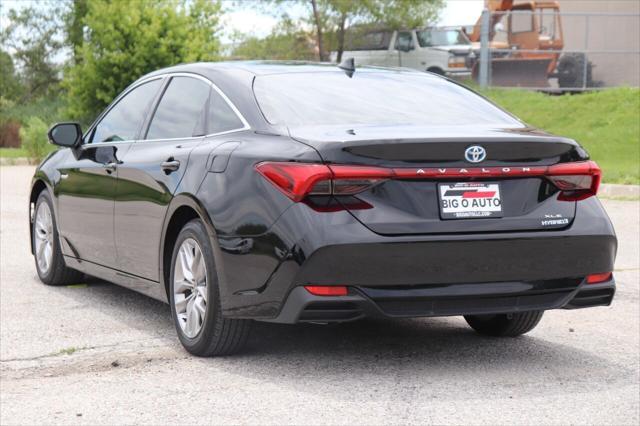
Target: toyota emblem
[[475, 154]]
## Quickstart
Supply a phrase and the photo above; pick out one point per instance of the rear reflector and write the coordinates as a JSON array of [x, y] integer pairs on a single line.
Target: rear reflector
[[599, 278], [327, 290], [576, 181]]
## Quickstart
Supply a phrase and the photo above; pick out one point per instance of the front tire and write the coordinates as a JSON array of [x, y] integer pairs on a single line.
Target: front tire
[[195, 297], [505, 325], [436, 70], [50, 264]]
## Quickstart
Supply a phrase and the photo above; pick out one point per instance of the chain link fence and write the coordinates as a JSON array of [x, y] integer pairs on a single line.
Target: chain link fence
[[545, 49]]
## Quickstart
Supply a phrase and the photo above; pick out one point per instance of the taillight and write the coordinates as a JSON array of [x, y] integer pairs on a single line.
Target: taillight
[[350, 180], [298, 180], [576, 181]]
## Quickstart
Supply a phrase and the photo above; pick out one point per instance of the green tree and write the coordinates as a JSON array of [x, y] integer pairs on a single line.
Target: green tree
[[10, 87], [286, 42], [34, 38], [74, 25], [331, 19], [124, 40]]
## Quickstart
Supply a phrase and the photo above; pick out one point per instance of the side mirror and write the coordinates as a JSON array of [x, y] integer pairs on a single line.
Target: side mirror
[[65, 134]]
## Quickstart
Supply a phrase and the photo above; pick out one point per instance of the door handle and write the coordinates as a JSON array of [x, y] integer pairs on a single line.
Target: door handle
[[110, 167], [170, 165]]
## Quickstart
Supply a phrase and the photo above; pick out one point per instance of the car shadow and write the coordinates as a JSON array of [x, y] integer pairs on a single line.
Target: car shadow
[[413, 354], [410, 350]]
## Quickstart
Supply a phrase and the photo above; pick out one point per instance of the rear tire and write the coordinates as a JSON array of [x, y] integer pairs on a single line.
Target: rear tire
[[571, 72], [195, 298], [47, 253], [505, 325]]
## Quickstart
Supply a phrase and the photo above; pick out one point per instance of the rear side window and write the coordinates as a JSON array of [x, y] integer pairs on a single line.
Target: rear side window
[[373, 40], [221, 117], [123, 121], [441, 37], [181, 112]]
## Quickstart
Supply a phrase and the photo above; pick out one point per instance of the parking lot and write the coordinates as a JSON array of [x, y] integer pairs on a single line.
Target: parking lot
[[99, 354]]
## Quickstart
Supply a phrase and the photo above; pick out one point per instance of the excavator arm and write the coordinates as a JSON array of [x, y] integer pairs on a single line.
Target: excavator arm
[[492, 6]]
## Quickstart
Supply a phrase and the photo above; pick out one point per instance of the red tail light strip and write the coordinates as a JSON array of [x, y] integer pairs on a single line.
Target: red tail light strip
[[599, 278], [576, 181], [470, 172]]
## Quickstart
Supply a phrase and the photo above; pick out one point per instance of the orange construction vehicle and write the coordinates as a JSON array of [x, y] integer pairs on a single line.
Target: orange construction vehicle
[[525, 41]]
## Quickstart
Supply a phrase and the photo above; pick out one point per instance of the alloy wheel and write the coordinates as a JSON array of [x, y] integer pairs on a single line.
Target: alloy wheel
[[43, 231], [190, 287]]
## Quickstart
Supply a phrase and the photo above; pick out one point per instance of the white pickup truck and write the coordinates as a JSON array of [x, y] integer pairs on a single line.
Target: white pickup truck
[[441, 50]]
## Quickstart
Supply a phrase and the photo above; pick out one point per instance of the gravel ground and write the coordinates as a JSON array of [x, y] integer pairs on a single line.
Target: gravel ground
[[100, 354]]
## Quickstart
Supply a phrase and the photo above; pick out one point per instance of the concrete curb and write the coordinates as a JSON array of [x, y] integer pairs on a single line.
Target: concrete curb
[[19, 161], [612, 190]]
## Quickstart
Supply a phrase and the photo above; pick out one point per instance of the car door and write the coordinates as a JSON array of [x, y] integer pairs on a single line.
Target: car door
[[86, 190], [405, 50], [152, 169]]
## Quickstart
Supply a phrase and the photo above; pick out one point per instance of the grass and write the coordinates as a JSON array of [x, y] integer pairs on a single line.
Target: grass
[[68, 351], [606, 123], [12, 153]]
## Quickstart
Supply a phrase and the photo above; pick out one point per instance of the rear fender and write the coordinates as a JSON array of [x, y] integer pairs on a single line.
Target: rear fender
[[187, 200]]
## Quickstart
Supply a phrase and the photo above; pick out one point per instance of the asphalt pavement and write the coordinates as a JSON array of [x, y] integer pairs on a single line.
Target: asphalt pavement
[[96, 353]]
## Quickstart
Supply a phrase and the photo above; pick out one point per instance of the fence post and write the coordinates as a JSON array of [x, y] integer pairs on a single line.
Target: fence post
[[586, 48], [484, 49]]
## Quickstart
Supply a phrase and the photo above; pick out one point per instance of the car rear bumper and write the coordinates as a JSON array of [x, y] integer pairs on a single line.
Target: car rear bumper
[[444, 300], [461, 261], [430, 275], [459, 73]]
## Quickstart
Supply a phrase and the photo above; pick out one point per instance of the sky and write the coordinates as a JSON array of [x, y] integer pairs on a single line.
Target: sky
[[249, 20]]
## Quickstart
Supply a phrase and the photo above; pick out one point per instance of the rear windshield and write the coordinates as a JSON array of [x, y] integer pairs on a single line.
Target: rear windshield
[[372, 98]]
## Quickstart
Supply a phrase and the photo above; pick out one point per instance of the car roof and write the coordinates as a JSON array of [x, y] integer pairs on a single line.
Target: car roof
[[235, 78], [267, 67]]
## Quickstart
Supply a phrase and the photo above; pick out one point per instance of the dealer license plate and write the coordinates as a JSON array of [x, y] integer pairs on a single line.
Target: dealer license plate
[[469, 200]]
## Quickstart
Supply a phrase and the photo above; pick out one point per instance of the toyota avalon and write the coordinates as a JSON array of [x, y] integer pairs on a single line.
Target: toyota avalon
[[300, 192]]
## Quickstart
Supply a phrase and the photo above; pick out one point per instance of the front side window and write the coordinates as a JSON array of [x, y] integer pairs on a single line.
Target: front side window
[[404, 41], [181, 112], [547, 19], [123, 121]]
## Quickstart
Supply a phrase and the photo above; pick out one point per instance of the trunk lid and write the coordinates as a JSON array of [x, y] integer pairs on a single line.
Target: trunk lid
[[414, 205]]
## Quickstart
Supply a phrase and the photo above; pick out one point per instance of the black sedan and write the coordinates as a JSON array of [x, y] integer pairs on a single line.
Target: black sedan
[[305, 192]]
